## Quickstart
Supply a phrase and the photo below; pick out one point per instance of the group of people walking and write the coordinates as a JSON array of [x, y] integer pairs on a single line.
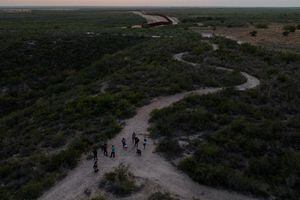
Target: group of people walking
[[135, 141]]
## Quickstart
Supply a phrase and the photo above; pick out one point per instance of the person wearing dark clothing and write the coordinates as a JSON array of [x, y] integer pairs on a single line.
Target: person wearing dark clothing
[[123, 143], [133, 137], [96, 166], [139, 152], [102, 147], [145, 143], [113, 152], [105, 153], [136, 142], [95, 153]]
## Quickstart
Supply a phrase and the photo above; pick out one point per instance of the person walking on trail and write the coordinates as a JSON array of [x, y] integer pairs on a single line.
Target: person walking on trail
[[113, 152], [125, 147], [145, 143], [105, 153], [95, 153], [96, 166], [139, 152], [123, 143], [133, 137], [136, 142]]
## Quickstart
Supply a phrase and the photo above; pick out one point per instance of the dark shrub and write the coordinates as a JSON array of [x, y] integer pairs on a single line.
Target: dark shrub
[[290, 28], [253, 33], [120, 181], [203, 48], [170, 147], [161, 196], [261, 26], [285, 33], [31, 190]]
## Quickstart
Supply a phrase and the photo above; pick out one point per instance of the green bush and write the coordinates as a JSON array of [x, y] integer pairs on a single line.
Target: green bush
[[99, 198], [169, 147], [161, 196], [120, 181], [253, 33], [261, 26], [290, 28], [203, 48], [31, 190], [285, 33]]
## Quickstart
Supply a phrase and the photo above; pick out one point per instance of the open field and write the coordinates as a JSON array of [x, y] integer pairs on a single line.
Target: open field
[[271, 37]]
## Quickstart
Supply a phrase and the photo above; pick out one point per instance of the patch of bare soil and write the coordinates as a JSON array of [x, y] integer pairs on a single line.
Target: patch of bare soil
[[270, 37]]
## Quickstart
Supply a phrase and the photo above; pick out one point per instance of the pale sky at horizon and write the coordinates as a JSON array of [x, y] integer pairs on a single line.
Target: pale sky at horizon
[[239, 3]]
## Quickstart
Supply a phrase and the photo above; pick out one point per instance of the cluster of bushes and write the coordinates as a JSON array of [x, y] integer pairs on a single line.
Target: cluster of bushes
[[161, 196], [289, 29], [250, 138], [120, 181], [37, 67], [242, 157], [169, 148], [42, 86], [215, 21], [98, 198], [201, 49], [261, 26], [52, 109], [253, 33], [71, 108], [252, 154]]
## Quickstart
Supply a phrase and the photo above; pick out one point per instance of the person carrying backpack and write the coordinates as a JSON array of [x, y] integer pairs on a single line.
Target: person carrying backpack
[[95, 153], [96, 166], [105, 153], [123, 143]]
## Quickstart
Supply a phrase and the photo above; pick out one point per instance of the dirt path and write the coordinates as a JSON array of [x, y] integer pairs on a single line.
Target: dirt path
[[151, 19], [151, 168]]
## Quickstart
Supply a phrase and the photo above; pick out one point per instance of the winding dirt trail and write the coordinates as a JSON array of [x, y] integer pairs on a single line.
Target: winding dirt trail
[[154, 171]]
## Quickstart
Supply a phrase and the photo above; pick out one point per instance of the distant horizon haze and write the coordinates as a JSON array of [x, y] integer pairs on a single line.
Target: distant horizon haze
[[154, 3]]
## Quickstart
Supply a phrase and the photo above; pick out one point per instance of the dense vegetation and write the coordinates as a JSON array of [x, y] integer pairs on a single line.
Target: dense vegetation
[[70, 78], [53, 107], [244, 141], [237, 17]]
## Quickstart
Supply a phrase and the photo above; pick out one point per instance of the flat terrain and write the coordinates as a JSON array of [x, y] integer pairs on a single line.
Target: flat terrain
[[271, 37]]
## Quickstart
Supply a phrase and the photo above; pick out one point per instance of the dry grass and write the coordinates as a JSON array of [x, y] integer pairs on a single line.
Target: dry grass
[[270, 37]]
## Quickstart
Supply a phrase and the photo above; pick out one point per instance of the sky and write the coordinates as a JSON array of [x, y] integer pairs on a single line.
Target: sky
[[230, 3]]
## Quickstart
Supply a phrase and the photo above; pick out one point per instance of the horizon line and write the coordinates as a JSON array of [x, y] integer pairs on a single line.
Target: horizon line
[[140, 6]]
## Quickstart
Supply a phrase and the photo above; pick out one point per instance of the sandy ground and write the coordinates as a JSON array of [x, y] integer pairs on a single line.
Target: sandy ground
[[271, 37], [152, 170]]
